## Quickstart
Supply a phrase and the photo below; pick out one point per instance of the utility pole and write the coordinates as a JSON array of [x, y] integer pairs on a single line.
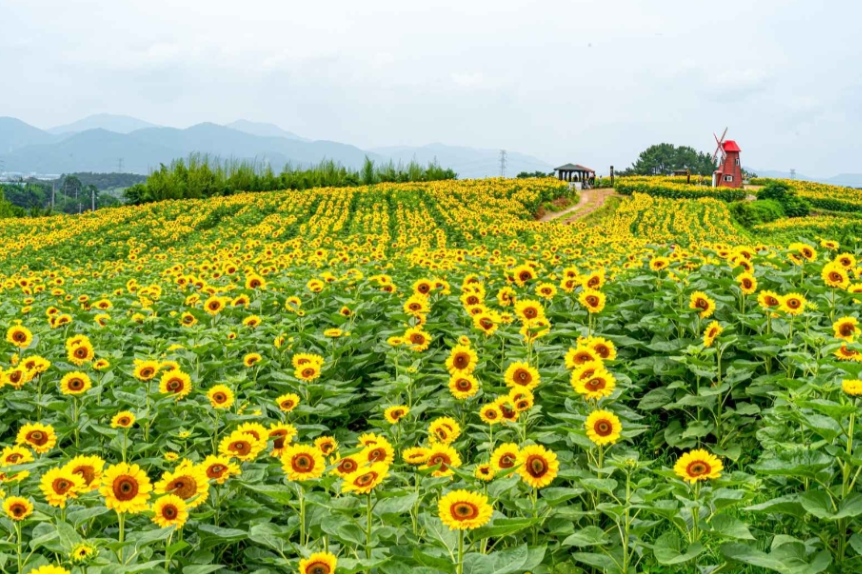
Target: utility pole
[[93, 198], [53, 192], [502, 163]]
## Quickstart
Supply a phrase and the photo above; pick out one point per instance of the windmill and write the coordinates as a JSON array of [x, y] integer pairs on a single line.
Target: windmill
[[729, 168], [718, 147]]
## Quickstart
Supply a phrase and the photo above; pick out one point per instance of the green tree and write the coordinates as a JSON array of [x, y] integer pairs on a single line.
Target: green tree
[[664, 158]]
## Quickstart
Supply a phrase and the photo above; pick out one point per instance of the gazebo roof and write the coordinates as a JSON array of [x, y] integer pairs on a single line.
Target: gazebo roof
[[574, 167]]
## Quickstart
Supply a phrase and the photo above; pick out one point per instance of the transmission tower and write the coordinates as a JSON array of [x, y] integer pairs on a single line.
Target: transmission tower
[[120, 165], [792, 173], [502, 163]]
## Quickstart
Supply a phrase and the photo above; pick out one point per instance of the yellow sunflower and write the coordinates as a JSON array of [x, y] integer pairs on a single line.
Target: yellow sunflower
[[593, 381], [301, 462], [221, 397], [19, 336], [698, 465], [170, 510], [318, 563], [603, 427], [462, 360], [187, 481], [444, 429], [505, 456], [41, 438], [846, 328], [395, 414], [365, 479], [287, 402], [123, 420], [176, 383], [463, 386], [281, 435], [126, 488], [17, 508], [491, 414], [415, 455], [443, 458], [219, 468], [712, 331], [852, 387], [702, 303], [593, 300], [12, 455], [241, 445], [522, 375], [89, 468], [59, 484], [538, 466], [75, 383], [793, 304], [464, 510]]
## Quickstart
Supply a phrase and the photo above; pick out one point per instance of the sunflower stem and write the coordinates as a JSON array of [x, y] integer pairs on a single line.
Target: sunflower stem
[[460, 552], [301, 517], [167, 552], [20, 555], [368, 526]]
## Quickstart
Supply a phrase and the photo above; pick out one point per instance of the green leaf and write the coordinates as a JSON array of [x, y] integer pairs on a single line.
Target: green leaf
[[731, 527], [668, 550], [202, 569], [227, 534], [396, 504], [819, 504], [787, 559], [503, 527], [589, 536]]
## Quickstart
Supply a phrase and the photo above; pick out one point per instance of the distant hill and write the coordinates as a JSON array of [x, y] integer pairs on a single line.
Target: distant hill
[[98, 143], [110, 122], [264, 130], [15, 134], [467, 162], [99, 150]]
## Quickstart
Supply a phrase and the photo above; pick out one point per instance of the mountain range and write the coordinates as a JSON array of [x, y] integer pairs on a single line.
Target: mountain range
[[107, 143], [845, 179]]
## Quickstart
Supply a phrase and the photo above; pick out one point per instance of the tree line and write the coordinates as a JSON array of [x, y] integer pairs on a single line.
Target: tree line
[[201, 176]]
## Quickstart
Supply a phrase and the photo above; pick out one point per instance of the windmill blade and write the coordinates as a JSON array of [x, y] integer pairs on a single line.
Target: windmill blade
[[718, 147]]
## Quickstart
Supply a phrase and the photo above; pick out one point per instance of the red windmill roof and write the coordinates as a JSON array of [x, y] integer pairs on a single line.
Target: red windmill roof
[[730, 145]]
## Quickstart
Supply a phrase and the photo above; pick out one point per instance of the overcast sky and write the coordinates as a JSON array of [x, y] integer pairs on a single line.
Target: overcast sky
[[592, 82]]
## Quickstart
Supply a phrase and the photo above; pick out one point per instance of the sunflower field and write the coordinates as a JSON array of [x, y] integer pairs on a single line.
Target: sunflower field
[[423, 379]]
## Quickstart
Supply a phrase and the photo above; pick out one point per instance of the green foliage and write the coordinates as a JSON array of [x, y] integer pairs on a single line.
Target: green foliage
[[202, 176], [671, 190], [529, 174], [781, 192], [758, 212], [662, 159]]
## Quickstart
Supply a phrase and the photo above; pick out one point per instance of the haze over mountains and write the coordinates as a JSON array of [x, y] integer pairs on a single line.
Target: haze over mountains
[[100, 143]]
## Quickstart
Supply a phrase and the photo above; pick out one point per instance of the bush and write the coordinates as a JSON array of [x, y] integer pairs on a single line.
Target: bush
[[781, 192], [757, 212]]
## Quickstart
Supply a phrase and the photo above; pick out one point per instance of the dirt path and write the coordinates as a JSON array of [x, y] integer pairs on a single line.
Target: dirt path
[[595, 200], [582, 200]]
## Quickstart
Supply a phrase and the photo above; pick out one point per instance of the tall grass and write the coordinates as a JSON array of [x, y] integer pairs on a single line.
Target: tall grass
[[202, 175]]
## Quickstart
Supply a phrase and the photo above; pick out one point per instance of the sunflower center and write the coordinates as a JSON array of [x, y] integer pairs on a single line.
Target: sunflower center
[[175, 385], [440, 459], [19, 336], [595, 384], [461, 361], [347, 465], [37, 437], [523, 377], [698, 468], [13, 458], [76, 384], [603, 428], [463, 385], [464, 510], [220, 397], [169, 511], [61, 486], [302, 463], [318, 568], [536, 466], [366, 479], [241, 447], [185, 487], [125, 488], [88, 472], [216, 470], [147, 372], [376, 455], [507, 461], [18, 509]]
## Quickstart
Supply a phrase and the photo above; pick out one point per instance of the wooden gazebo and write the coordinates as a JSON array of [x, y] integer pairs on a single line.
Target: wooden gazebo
[[573, 172]]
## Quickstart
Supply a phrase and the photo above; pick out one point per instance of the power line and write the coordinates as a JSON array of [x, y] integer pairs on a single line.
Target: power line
[[502, 163]]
